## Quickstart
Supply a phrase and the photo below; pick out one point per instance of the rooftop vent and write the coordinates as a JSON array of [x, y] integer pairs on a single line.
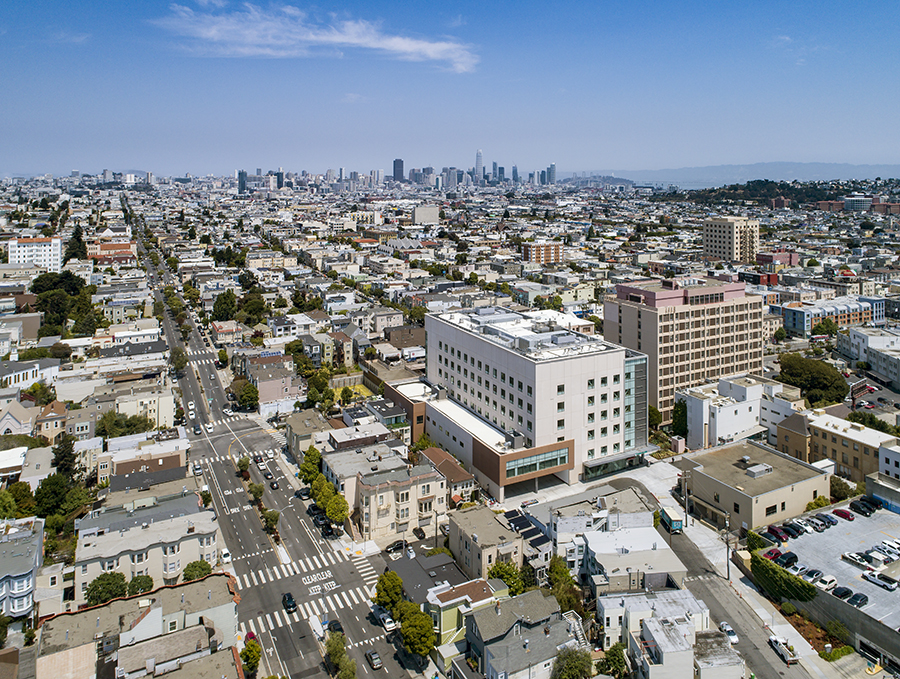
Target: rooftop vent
[[758, 470]]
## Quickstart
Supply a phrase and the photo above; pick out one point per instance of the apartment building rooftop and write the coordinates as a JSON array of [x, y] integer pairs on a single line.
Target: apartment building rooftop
[[534, 335], [79, 628], [754, 469], [666, 603], [136, 538], [490, 528], [858, 432]]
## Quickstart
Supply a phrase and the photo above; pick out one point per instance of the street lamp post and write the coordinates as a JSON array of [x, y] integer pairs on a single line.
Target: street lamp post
[[727, 547]]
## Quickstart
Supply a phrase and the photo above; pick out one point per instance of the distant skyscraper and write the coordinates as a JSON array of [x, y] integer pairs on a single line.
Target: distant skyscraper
[[494, 171], [242, 181], [279, 177], [479, 166], [515, 175], [398, 170], [551, 174], [341, 176], [501, 171]]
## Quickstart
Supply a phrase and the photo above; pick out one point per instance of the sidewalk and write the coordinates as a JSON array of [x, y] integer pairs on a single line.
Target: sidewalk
[[659, 478]]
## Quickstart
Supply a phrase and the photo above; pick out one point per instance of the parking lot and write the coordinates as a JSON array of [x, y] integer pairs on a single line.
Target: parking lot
[[823, 551]]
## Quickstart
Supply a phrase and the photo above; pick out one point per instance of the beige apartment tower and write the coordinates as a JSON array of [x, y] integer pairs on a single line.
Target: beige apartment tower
[[691, 329], [734, 239]]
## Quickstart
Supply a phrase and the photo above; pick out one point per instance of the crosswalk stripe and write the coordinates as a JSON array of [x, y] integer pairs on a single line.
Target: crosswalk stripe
[[243, 629], [269, 620], [315, 609], [353, 596], [277, 573], [277, 619], [253, 577], [286, 569], [316, 562], [295, 616], [337, 602], [346, 598], [303, 566], [252, 628]]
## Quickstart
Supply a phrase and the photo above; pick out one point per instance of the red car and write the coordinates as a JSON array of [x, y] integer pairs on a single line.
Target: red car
[[844, 514], [772, 554]]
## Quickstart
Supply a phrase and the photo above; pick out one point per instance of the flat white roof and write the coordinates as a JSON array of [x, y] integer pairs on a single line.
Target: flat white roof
[[841, 427]]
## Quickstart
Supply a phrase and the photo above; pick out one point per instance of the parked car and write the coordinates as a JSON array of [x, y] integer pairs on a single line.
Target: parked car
[[729, 632], [374, 660], [267, 475], [826, 583], [804, 524], [321, 520], [844, 514], [397, 546], [209, 427], [445, 529], [772, 554], [859, 600], [812, 575], [335, 627], [860, 508], [792, 531], [226, 556], [419, 533], [817, 525], [842, 592], [881, 580], [274, 485], [797, 569], [871, 502], [786, 560], [287, 600], [387, 622], [328, 531], [771, 538], [777, 532], [827, 519], [197, 430], [315, 510], [303, 494], [856, 559]]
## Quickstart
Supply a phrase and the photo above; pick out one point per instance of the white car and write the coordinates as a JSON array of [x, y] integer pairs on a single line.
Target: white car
[[198, 470], [826, 583], [729, 632], [797, 569], [856, 560], [209, 427], [226, 556], [191, 405], [387, 622], [192, 415], [804, 525]]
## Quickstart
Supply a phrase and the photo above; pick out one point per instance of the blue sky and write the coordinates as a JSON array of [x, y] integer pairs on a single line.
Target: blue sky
[[214, 85]]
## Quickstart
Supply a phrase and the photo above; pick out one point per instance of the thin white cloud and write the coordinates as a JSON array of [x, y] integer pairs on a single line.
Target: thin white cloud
[[353, 98], [286, 31], [219, 4], [68, 37]]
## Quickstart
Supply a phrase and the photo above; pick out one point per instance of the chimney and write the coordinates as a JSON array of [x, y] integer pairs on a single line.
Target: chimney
[[497, 608]]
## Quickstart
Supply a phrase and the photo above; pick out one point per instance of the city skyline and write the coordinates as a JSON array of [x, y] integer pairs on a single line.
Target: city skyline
[[211, 86]]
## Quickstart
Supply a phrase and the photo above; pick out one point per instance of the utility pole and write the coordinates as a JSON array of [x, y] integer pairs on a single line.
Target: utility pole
[[727, 547]]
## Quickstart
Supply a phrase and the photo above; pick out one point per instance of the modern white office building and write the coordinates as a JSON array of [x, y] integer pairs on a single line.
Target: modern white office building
[[45, 252], [538, 398]]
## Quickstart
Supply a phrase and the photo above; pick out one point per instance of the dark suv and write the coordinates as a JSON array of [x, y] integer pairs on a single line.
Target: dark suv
[[860, 508], [397, 546], [287, 600]]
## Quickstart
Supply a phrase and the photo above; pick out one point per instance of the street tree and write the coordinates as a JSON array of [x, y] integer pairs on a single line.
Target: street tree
[[309, 468], [780, 335], [249, 397], [7, 505], [243, 464], [178, 359], [256, 490], [225, 306], [251, 655], [196, 570], [106, 587], [271, 518], [337, 510], [64, 458], [388, 590], [418, 634], [509, 574], [223, 357]]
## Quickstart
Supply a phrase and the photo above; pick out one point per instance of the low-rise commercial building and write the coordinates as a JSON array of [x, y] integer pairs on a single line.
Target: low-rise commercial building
[[745, 485]]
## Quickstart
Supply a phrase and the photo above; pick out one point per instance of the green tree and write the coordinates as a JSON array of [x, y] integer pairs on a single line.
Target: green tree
[[249, 397], [271, 518], [7, 505], [812, 262], [76, 498], [225, 306], [679, 419], [50, 494], [206, 498], [243, 464], [818, 381], [106, 587], [346, 395], [23, 497], [55, 305], [403, 610], [871, 421], [840, 489], [61, 351], [439, 550], [572, 663], [223, 357], [309, 468], [780, 335], [507, 571], [388, 590], [654, 417], [825, 327], [75, 248], [178, 359], [172, 263], [335, 648], [613, 663], [337, 510], [326, 494], [347, 669], [251, 656], [64, 458], [196, 570], [140, 584], [418, 634], [256, 490], [42, 394], [315, 489]]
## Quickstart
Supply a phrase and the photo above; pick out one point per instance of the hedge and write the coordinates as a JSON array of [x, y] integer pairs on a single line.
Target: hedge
[[778, 582], [837, 653]]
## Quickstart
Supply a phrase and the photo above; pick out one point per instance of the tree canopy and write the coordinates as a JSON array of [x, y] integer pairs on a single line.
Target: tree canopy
[[196, 570], [337, 510], [249, 396], [818, 381], [825, 327], [106, 587], [388, 590], [418, 633], [509, 574], [309, 468], [140, 584], [613, 663], [572, 663]]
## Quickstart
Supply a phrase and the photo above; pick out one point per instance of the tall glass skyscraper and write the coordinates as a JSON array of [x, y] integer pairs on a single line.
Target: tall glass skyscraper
[[479, 166]]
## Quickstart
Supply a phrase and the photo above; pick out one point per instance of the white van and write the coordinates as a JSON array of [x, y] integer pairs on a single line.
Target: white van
[[317, 628]]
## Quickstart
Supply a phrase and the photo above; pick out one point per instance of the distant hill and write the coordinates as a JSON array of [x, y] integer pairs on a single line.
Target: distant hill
[[720, 175]]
